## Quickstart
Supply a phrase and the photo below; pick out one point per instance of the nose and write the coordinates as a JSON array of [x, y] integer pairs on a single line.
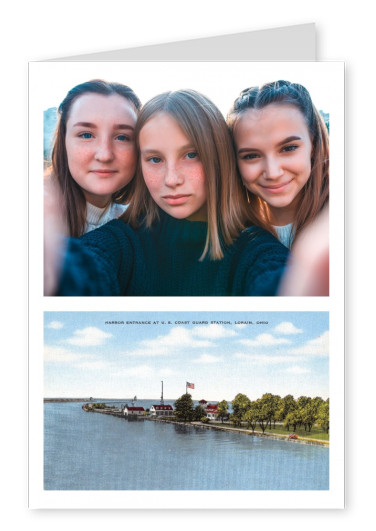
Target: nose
[[104, 152], [273, 168], [173, 177]]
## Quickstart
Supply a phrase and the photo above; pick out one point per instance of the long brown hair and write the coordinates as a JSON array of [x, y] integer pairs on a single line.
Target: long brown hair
[[202, 122], [73, 196], [315, 193]]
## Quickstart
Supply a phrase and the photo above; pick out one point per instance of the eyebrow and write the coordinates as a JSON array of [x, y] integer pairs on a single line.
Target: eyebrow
[[93, 126], [284, 141], [155, 150]]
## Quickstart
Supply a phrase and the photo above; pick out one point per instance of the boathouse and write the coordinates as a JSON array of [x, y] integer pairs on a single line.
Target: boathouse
[[161, 410], [134, 411]]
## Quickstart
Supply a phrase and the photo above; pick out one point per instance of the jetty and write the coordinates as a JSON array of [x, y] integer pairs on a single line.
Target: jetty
[[118, 412]]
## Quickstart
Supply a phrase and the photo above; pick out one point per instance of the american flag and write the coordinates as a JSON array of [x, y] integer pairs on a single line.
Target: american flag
[[190, 385]]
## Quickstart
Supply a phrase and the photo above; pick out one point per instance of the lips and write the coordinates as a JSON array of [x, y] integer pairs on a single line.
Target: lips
[[177, 199], [104, 173], [276, 188]]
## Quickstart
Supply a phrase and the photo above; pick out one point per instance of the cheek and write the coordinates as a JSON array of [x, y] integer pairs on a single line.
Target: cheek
[[77, 156], [248, 173], [128, 160], [152, 177]]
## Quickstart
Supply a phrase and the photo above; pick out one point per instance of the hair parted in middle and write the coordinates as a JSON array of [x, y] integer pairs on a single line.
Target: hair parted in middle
[[315, 193], [204, 125]]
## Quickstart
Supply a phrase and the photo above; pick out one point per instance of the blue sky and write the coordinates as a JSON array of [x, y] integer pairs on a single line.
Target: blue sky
[[119, 354]]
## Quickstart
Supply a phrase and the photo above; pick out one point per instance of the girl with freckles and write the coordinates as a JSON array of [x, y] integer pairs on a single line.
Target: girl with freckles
[[282, 152], [94, 156], [184, 232]]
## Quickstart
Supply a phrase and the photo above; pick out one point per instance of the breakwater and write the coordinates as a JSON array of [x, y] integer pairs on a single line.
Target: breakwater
[[117, 412]]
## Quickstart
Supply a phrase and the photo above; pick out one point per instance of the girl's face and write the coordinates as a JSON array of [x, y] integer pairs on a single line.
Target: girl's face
[[172, 169], [273, 149], [100, 145]]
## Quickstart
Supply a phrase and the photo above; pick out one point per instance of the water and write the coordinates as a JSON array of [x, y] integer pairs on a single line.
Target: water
[[92, 451]]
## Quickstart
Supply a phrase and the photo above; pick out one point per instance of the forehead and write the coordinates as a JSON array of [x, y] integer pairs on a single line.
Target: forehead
[[163, 128], [274, 119], [93, 107]]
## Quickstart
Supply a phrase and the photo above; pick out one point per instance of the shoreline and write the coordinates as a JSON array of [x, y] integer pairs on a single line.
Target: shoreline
[[199, 425]]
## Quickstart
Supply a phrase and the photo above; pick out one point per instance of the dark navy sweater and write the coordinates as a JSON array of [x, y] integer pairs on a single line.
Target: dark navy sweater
[[164, 260]]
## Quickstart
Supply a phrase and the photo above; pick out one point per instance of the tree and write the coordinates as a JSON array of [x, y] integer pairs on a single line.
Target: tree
[[240, 404], [199, 413], [184, 408], [222, 410], [323, 416], [271, 405], [251, 416]]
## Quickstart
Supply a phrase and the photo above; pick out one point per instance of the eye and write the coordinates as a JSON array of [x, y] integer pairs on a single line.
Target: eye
[[85, 136], [123, 138], [155, 160], [191, 155], [250, 156], [291, 147]]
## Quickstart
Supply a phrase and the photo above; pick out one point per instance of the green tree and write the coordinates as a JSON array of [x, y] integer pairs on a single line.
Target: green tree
[[271, 405], [198, 413], [252, 415], [184, 408], [240, 404], [323, 416], [288, 404], [222, 410]]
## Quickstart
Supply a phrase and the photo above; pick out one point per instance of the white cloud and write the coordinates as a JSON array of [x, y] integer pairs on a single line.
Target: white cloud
[[287, 328], [92, 365], [264, 340], [264, 359], [55, 325], [207, 358], [315, 347], [240, 325], [64, 355], [88, 337], [178, 338], [297, 370], [140, 370], [58, 354], [213, 331]]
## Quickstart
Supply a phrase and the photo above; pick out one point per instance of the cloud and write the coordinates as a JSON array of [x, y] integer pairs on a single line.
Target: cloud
[[315, 347], [63, 355], [264, 340], [91, 365], [140, 370], [264, 359], [213, 331], [297, 370], [178, 338], [207, 358], [287, 328], [55, 325], [240, 325], [88, 337]]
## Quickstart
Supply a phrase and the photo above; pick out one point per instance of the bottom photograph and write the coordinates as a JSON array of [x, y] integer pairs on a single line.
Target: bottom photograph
[[186, 401]]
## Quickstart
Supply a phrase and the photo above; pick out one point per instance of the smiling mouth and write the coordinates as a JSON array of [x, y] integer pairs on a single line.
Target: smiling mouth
[[276, 188]]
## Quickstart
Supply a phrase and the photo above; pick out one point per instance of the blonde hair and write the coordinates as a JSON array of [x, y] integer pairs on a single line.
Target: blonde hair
[[315, 193], [202, 122]]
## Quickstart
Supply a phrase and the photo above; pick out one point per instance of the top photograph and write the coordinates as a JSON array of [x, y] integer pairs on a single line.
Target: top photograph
[[186, 179]]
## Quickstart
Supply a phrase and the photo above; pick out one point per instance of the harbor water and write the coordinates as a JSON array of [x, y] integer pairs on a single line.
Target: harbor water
[[92, 451]]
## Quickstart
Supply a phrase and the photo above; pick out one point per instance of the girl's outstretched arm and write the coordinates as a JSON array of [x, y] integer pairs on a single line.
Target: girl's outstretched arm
[[308, 271]]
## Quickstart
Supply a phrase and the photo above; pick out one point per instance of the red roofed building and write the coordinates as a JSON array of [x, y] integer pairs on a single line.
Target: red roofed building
[[211, 411], [161, 410]]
